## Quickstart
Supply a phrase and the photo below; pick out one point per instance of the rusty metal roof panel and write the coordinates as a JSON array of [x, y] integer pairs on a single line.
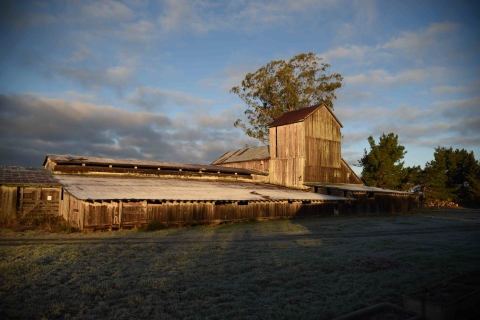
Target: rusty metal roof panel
[[10, 175], [354, 188], [299, 115], [247, 154], [89, 160], [110, 188]]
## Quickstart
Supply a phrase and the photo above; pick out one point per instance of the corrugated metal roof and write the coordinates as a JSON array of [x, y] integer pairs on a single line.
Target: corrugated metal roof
[[247, 154], [353, 188], [10, 175], [299, 115], [109, 188], [71, 159]]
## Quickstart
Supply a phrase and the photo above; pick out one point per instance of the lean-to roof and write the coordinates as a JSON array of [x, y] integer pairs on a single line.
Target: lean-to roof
[[247, 154], [110, 188], [10, 175], [354, 188], [299, 115]]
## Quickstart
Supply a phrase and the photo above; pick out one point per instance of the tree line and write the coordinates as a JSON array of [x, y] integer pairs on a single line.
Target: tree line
[[452, 175]]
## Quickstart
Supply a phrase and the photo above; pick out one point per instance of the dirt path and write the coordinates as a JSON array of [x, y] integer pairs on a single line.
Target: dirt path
[[243, 237]]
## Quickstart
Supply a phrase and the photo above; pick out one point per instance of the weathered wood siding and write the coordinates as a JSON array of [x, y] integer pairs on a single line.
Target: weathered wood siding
[[287, 155], [8, 203], [261, 165], [115, 214], [72, 210], [39, 201], [323, 148], [348, 176]]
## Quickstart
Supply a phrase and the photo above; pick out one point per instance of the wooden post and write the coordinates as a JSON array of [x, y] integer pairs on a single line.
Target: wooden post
[[120, 207], [21, 202], [82, 214]]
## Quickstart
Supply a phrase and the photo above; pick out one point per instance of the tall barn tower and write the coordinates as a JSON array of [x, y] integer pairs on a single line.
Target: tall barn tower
[[305, 146]]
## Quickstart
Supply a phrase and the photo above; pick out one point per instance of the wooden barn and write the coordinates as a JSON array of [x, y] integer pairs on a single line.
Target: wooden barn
[[300, 174], [305, 153], [28, 191], [106, 193]]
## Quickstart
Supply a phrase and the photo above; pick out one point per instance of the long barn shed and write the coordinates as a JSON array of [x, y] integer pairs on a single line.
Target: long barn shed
[[115, 202]]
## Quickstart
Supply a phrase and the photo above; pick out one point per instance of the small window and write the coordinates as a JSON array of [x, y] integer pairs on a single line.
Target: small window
[[370, 195], [242, 203]]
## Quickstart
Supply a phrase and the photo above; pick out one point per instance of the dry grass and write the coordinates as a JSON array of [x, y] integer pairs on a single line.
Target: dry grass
[[309, 268]]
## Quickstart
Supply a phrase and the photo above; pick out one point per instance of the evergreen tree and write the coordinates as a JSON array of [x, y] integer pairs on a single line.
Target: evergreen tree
[[382, 166], [448, 176], [412, 178], [473, 179]]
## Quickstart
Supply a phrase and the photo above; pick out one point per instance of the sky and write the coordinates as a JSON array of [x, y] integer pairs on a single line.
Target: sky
[[151, 79]]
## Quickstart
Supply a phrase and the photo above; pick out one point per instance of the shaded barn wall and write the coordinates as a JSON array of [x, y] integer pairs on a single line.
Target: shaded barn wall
[[39, 200], [26, 201], [261, 165], [287, 155], [323, 148], [375, 202], [8, 203]]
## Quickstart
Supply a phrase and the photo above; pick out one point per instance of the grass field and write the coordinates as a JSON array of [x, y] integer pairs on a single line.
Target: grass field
[[309, 268]]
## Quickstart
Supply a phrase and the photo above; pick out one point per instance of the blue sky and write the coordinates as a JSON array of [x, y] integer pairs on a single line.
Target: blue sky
[[151, 79]]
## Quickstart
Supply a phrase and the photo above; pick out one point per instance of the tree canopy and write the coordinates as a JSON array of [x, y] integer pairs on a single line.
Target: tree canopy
[[452, 175], [282, 86], [382, 165]]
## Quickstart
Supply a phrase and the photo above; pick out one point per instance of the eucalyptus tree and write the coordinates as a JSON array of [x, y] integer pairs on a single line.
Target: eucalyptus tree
[[282, 86]]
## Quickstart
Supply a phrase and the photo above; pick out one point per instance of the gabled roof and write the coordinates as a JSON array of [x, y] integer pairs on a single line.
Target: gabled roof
[[348, 166], [26, 176], [299, 115], [247, 154], [92, 161]]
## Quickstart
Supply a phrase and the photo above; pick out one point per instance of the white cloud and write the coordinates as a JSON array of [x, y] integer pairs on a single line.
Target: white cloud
[[117, 77], [420, 42], [182, 15], [106, 10], [151, 98], [382, 77], [440, 90], [140, 31], [80, 55]]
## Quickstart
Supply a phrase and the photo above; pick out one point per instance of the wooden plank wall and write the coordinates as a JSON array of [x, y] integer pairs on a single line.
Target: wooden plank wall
[[323, 148], [8, 203], [287, 155], [39, 200], [348, 176], [261, 165], [102, 215]]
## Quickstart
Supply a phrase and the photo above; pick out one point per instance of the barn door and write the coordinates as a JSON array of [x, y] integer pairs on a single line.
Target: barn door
[[39, 201], [134, 213]]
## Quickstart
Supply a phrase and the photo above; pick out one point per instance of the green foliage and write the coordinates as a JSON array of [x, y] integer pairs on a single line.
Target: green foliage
[[282, 86], [412, 178], [452, 175], [382, 167], [473, 178]]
